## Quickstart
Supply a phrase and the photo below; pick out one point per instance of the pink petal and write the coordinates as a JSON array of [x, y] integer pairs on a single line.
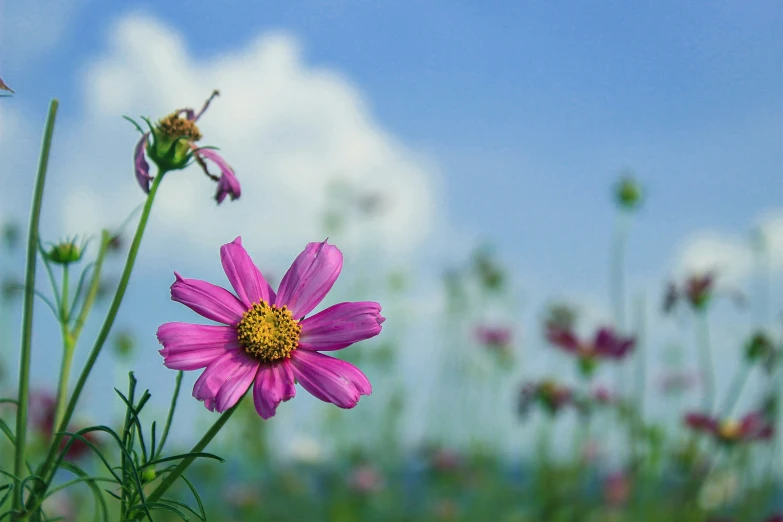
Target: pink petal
[[341, 325], [562, 338], [225, 380], [274, 384], [140, 164], [310, 278], [193, 346], [244, 276], [208, 300], [228, 184], [701, 422], [329, 379]]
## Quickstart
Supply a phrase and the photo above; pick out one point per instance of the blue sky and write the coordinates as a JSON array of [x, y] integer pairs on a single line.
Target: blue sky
[[518, 118]]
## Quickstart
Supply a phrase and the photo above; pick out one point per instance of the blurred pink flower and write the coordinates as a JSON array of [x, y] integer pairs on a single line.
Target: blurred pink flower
[[40, 415], [752, 427], [365, 479], [617, 488], [267, 343], [606, 343]]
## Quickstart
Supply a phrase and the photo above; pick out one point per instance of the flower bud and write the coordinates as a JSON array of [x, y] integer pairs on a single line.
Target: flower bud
[[65, 252], [628, 193]]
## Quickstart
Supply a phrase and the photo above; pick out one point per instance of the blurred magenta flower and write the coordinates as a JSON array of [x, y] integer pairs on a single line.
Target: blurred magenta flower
[[267, 342], [751, 427], [602, 395], [617, 488], [365, 479], [606, 344], [173, 146], [494, 336], [41, 412]]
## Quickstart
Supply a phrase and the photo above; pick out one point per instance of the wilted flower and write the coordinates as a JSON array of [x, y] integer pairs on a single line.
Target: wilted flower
[[267, 342], [751, 427], [66, 252], [628, 193], [173, 146], [549, 394], [606, 344]]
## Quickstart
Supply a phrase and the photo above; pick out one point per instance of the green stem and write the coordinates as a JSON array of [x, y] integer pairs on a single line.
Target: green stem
[[70, 337], [187, 461], [174, 397], [95, 282], [65, 371], [27, 310], [617, 268], [68, 350], [707, 367], [735, 391], [47, 469]]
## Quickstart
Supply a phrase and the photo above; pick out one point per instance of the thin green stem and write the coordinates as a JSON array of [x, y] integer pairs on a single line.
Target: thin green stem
[[95, 282], [735, 391], [174, 397], [617, 268], [27, 310], [64, 310], [65, 371], [187, 461], [47, 469], [707, 366]]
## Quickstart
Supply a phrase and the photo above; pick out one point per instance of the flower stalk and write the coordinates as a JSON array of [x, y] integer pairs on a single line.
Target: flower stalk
[[27, 310]]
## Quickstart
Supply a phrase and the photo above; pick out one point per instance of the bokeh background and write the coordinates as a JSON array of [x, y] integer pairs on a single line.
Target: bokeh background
[[421, 138]]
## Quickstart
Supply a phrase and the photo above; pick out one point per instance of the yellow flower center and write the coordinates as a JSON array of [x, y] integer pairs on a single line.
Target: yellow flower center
[[729, 429], [268, 333], [175, 127]]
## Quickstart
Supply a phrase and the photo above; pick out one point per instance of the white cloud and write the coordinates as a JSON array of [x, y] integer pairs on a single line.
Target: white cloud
[[731, 254], [289, 129]]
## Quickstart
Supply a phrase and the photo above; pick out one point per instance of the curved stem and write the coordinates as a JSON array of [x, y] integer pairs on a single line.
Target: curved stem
[[47, 469], [27, 310], [187, 461]]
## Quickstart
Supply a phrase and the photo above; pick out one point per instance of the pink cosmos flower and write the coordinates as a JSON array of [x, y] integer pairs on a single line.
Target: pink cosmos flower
[[267, 342]]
